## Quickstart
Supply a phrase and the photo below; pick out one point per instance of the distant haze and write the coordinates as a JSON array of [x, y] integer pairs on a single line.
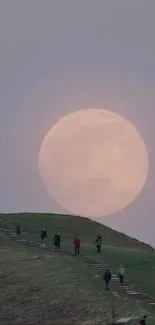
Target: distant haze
[[58, 57]]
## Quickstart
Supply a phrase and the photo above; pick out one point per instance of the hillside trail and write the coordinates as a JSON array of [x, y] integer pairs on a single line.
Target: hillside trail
[[127, 289]]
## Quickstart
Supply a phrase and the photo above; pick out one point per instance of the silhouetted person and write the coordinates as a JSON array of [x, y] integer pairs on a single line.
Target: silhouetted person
[[121, 272], [107, 278], [143, 320], [18, 230], [43, 235], [76, 245], [57, 241], [98, 243]]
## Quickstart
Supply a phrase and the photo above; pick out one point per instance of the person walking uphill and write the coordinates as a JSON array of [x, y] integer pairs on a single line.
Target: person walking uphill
[[98, 243], [76, 245], [18, 230], [143, 320], [43, 235], [121, 272], [57, 241], [107, 278]]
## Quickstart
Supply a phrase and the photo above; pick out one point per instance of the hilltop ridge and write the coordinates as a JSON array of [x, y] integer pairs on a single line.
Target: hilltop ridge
[[77, 224]]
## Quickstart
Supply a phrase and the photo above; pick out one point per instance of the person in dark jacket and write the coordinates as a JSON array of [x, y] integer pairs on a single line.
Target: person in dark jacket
[[107, 278], [43, 235], [143, 320], [57, 240], [98, 243], [121, 272], [76, 243], [18, 230]]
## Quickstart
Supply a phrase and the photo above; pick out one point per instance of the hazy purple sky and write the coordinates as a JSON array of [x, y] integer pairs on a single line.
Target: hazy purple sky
[[60, 56]]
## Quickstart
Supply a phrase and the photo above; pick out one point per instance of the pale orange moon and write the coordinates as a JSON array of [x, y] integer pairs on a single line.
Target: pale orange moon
[[93, 163]]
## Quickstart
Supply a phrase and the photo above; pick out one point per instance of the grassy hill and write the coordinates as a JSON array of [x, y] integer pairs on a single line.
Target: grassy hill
[[36, 284], [69, 225], [38, 287]]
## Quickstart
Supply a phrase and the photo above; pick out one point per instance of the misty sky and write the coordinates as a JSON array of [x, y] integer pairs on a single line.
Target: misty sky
[[60, 56]]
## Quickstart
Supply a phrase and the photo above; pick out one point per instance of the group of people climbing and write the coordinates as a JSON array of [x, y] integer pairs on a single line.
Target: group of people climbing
[[76, 241], [57, 241], [107, 276], [98, 242]]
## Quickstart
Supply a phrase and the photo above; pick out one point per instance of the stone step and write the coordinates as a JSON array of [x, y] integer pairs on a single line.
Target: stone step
[[92, 262], [100, 267], [25, 241], [7, 230], [133, 293], [124, 287], [34, 244], [123, 321]]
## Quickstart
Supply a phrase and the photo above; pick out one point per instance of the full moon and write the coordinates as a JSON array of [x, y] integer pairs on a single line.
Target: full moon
[[93, 163]]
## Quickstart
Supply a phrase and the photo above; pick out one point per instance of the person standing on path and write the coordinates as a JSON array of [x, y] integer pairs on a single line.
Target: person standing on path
[[76, 243], [18, 230], [107, 279], [57, 241], [98, 243], [43, 235], [121, 272], [143, 320]]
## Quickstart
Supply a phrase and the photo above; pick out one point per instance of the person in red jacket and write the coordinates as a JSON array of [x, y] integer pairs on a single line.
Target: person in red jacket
[[77, 245]]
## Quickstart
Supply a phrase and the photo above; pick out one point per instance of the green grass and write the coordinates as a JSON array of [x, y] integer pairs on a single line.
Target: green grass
[[138, 258], [139, 265], [38, 287], [68, 226]]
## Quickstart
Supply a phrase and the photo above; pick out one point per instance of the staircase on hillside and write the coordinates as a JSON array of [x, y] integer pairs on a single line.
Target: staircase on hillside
[[127, 288]]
